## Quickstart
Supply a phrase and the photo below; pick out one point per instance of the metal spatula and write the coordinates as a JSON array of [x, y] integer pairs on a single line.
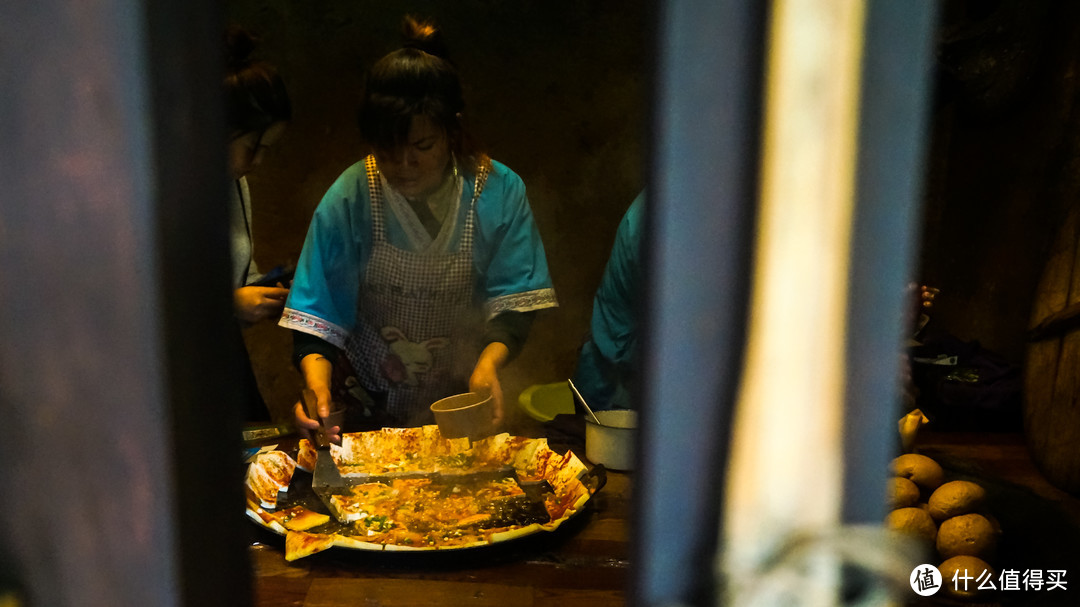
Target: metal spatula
[[327, 478]]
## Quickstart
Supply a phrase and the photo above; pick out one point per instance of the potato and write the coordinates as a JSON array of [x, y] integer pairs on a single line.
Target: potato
[[915, 522], [996, 524], [902, 493], [955, 498], [966, 566], [967, 535], [921, 470]]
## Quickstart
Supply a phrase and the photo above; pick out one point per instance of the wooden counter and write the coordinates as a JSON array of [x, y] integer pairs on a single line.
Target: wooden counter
[[584, 562]]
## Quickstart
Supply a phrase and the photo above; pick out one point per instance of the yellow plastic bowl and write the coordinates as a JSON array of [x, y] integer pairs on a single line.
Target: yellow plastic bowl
[[543, 402]]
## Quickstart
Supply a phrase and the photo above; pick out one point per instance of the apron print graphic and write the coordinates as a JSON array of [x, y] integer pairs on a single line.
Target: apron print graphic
[[408, 362]]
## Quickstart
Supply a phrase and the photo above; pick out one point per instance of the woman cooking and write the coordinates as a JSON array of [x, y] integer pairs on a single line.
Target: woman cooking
[[422, 268]]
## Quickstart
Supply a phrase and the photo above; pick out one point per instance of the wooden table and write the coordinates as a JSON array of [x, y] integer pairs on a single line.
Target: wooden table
[[584, 562]]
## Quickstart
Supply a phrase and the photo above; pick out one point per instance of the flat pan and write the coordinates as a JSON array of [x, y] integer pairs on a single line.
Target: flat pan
[[301, 493]]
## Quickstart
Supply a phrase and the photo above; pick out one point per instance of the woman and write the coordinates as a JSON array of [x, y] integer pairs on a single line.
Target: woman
[[422, 268], [257, 110]]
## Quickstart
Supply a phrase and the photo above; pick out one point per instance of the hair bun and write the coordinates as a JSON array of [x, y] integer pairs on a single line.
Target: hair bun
[[423, 35], [239, 46]]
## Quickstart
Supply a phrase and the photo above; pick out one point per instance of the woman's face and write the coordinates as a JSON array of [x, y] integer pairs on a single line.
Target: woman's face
[[416, 168], [246, 150]]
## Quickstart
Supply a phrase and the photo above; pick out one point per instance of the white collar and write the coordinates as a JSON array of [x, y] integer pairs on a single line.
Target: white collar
[[418, 236]]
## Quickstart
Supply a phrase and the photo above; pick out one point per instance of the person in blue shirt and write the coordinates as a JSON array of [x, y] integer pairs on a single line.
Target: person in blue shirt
[[606, 365], [422, 268]]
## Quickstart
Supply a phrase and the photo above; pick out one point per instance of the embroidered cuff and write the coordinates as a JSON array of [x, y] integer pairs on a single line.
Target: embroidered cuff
[[306, 323], [521, 302]]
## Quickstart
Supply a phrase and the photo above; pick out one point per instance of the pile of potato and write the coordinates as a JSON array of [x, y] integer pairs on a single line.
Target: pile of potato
[[950, 517]]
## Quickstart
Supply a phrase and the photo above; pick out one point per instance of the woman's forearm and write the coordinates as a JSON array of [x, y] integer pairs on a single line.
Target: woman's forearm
[[317, 370], [494, 356]]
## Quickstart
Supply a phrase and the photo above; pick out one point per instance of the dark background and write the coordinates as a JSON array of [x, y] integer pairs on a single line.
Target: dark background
[[1004, 164], [1002, 174]]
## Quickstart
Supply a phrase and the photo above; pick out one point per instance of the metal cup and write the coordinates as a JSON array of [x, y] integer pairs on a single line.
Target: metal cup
[[336, 417]]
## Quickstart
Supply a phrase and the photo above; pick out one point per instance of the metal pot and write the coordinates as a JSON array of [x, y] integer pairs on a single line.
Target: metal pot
[[612, 443]]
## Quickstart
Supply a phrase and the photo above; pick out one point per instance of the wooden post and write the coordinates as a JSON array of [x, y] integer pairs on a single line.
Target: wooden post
[[846, 101], [786, 467]]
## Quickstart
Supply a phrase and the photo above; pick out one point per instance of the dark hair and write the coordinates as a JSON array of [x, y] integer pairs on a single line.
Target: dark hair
[[255, 95], [418, 79]]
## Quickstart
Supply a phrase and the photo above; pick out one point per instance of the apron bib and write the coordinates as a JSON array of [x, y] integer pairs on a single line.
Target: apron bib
[[415, 337]]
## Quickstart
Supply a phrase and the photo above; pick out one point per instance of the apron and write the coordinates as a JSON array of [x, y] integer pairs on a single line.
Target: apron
[[415, 337]]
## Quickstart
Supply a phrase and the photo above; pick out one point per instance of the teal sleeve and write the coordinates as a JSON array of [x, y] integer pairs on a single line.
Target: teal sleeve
[[323, 297], [510, 258]]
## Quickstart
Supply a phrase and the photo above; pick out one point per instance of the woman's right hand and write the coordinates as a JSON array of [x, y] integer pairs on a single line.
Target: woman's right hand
[[317, 371], [307, 426]]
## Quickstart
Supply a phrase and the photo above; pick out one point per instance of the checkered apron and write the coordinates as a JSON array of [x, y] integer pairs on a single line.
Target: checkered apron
[[415, 338]]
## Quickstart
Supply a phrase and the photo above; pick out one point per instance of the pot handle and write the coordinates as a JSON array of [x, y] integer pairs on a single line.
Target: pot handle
[[596, 478]]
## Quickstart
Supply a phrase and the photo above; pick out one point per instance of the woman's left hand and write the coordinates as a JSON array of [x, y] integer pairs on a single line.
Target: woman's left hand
[[485, 379]]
